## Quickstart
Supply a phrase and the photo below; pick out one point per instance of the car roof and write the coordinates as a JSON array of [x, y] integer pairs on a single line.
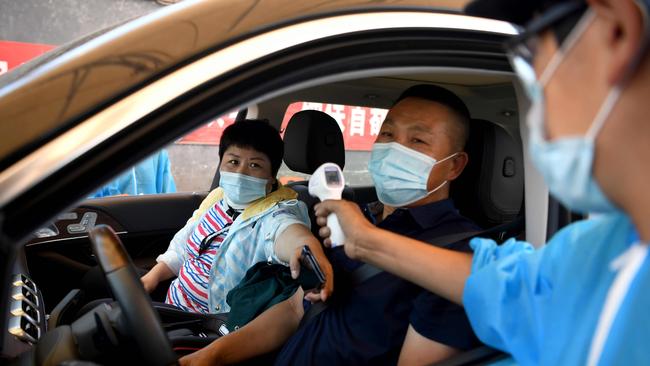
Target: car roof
[[77, 149], [44, 99]]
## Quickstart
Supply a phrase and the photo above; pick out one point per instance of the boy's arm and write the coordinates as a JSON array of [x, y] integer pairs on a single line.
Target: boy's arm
[[420, 350], [170, 262], [269, 331], [158, 273], [288, 248]]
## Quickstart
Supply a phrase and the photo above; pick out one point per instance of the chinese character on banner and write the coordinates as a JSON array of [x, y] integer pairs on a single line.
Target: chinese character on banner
[[337, 111], [359, 125], [308, 106], [358, 121], [377, 117]]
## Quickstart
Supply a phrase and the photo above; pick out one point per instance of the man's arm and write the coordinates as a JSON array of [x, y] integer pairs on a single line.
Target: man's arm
[[267, 332], [438, 270], [419, 350], [288, 248]]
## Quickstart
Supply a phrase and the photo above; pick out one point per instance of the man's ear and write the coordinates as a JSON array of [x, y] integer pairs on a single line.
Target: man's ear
[[459, 162], [623, 34]]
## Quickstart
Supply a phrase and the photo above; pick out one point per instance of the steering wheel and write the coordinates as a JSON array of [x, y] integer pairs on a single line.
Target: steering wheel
[[139, 315]]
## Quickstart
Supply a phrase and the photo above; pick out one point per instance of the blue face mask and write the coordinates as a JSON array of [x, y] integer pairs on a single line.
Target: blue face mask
[[240, 190], [401, 174], [566, 163]]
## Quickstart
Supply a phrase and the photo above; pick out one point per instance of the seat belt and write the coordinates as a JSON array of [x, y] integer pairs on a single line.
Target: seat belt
[[367, 271]]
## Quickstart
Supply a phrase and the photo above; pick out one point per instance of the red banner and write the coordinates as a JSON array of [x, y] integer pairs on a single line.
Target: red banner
[[13, 54], [360, 125], [209, 134]]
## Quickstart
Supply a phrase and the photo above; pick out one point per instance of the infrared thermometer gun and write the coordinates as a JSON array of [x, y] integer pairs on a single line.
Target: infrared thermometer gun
[[327, 184]]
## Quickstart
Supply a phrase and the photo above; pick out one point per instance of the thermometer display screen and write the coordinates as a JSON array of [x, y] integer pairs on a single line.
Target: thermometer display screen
[[332, 178]]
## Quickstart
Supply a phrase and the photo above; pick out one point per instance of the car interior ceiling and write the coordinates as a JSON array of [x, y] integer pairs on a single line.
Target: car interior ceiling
[[490, 191], [490, 97], [494, 178]]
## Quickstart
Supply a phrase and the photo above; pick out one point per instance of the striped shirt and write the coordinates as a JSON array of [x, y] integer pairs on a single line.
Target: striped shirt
[[251, 239], [189, 291]]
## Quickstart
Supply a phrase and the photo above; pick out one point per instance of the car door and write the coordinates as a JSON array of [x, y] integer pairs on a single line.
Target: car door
[[261, 56]]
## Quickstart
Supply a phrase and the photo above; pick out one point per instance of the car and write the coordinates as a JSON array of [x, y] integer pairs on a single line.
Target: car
[[80, 115]]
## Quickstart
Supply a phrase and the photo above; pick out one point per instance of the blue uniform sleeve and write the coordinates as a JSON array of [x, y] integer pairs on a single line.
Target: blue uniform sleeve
[[165, 179], [510, 288], [503, 293], [109, 189]]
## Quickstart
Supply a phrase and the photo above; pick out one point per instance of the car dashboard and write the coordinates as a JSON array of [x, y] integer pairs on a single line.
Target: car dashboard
[[26, 316], [27, 319]]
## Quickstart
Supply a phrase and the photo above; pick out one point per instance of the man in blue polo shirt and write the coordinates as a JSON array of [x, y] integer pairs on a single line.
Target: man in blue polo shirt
[[384, 319]]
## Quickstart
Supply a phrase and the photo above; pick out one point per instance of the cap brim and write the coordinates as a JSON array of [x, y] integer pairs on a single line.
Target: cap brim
[[514, 11]]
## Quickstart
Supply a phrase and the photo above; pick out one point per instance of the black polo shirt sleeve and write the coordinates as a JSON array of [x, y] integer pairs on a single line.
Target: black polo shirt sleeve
[[442, 321]]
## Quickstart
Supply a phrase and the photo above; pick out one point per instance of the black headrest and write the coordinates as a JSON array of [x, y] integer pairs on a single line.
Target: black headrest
[[491, 188], [311, 139]]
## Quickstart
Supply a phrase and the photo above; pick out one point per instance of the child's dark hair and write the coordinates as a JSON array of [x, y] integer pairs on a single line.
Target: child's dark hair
[[256, 134]]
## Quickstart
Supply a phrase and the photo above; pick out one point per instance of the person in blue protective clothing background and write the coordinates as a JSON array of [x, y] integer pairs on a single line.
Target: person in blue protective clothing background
[[582, 298], [150, 176]]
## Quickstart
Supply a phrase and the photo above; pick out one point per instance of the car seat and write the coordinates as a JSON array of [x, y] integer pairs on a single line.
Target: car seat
[[490, 190], [311, 139]]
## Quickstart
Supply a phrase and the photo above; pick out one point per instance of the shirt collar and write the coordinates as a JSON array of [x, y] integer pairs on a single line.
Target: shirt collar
[[431, 214]]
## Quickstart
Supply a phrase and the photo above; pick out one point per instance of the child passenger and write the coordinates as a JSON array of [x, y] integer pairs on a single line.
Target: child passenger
[[249, 218]]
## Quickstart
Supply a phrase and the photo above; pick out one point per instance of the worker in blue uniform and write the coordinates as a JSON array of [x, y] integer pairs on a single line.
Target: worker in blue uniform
[[583, 297], [150, 176]]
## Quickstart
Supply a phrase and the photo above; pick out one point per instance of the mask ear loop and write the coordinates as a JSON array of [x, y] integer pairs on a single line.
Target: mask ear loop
[[603, 113], [446, 181], [435, 189], [567, 46]]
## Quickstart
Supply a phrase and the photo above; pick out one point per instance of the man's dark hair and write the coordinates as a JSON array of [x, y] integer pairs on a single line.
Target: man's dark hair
[[448, 99], [256, 134]]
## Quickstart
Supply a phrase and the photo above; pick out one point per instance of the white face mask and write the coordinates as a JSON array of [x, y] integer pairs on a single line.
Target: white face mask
[[240, 190], [401, 174], [567, 162]]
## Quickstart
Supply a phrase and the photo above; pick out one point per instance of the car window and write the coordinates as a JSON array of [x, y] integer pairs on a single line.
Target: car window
[[195, 156], [360, 127], [187, 165]]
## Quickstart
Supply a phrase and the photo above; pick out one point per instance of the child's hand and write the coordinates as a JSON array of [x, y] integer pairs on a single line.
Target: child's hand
[[327, 288], [149, 282], [204, 356]]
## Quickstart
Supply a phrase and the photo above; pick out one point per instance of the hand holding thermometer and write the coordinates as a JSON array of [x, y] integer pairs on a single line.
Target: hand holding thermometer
[[327, 183]]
